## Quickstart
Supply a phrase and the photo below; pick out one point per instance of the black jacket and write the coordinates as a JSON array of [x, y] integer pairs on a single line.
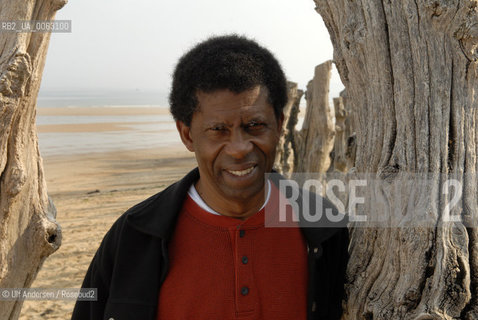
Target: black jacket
[[132, 262]]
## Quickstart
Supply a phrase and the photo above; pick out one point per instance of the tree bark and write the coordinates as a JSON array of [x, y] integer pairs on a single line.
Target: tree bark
[[28, 230], [315, 141], [410, 68]]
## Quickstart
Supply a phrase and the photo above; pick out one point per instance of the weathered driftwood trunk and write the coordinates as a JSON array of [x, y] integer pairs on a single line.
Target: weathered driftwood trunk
[[284, 162], [410, 68], [314, 142], [339, 161], [28, 231], [344, 143]]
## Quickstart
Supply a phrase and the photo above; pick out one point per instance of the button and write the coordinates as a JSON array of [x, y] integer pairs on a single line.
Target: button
[[318, 252], [244, 291], [242, 233], [245, 260]]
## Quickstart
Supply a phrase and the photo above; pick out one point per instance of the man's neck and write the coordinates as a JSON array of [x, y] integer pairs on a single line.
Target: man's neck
[[238, 209]]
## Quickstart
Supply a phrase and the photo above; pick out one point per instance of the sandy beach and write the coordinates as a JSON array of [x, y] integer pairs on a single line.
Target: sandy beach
[[90, 191]]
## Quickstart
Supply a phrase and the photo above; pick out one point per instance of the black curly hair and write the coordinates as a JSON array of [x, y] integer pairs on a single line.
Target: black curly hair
[[225, 62]]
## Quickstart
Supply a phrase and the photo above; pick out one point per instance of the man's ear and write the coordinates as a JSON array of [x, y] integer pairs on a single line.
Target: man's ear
[[185, 134]]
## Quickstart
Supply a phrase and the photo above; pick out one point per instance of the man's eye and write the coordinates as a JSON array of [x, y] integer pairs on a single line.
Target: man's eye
[[218, 128], [255, 125]]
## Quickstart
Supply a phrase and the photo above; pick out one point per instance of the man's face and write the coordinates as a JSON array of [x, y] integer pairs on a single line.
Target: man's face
[[234, 137]]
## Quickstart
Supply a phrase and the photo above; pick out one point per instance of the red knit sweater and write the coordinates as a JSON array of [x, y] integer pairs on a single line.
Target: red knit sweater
[[225, 268]]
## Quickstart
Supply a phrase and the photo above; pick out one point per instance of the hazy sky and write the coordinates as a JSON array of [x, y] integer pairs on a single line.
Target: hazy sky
[[119, 44]]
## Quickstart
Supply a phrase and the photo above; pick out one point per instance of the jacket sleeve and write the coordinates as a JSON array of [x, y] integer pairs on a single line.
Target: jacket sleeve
[[341, 279], [332, 275], [98, 277]]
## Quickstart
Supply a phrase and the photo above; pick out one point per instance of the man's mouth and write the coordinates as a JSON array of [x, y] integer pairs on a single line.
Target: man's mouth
[[241, 173]]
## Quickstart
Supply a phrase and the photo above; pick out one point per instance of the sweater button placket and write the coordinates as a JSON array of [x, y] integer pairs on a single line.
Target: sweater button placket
[[245, 279]]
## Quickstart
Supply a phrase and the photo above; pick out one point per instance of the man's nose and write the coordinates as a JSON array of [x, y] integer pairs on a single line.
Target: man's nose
[[239, 145]]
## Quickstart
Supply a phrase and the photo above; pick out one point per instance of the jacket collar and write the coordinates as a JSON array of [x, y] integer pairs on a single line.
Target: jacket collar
[[157, 215], [314, 235]]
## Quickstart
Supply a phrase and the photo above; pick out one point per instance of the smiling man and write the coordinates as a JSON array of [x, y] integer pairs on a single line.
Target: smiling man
[[200, 249], [234, 136]]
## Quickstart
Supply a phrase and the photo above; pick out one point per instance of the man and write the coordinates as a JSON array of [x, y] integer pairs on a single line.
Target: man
[[200, 249]]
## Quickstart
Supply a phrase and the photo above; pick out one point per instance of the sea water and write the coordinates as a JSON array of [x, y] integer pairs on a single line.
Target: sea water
[[100, 97], [139, 130]]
